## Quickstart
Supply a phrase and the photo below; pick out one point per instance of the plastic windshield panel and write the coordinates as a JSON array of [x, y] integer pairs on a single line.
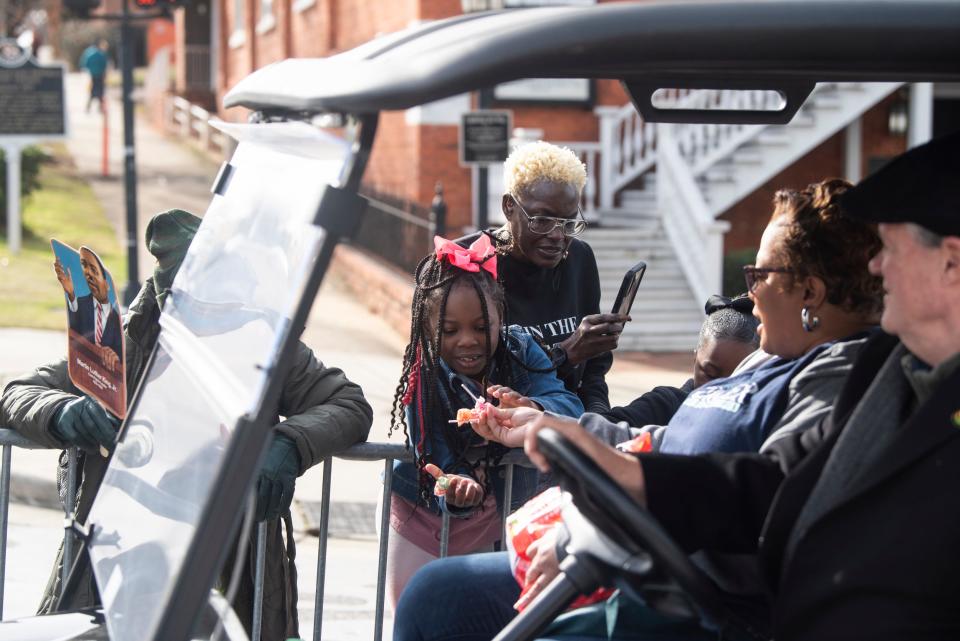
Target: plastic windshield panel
[[221, 328]]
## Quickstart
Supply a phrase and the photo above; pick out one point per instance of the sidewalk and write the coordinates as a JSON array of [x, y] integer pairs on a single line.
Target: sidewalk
[[340, 331]]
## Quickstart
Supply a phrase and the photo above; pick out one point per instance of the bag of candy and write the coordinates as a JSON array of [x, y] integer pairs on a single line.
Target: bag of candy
[[528, 524]]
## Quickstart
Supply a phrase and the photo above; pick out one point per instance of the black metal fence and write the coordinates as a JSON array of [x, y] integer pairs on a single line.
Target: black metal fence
[[398, 231]]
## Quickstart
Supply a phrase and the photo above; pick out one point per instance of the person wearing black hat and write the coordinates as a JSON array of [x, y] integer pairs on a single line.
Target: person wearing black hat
[[854, 519], [324, 411]]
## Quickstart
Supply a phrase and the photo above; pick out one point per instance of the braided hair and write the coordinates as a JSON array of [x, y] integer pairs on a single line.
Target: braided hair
[[420, 379]]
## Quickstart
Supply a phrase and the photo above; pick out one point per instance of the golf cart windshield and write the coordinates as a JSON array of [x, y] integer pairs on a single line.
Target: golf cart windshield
[[231, 306]]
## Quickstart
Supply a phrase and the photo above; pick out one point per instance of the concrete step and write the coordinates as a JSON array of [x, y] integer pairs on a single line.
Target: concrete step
[[679, 342]]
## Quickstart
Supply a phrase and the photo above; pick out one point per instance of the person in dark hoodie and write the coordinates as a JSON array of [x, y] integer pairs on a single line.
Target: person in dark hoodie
[[325, 413], [549, 276], [727, 337]]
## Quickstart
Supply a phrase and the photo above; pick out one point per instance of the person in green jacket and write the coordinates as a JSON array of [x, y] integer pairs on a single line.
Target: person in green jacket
[[325, 413]]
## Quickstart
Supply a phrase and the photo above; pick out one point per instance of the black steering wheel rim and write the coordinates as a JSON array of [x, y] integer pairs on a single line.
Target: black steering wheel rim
[[607, 505]]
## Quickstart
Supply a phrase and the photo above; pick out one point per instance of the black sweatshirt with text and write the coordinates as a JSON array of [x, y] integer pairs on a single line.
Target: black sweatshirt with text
[[549, 304]]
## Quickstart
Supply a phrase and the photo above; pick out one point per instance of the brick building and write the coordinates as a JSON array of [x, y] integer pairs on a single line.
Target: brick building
[[843, 131]]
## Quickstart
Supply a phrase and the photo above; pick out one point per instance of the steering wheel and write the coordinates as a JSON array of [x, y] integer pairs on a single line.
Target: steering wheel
[[624, 521]]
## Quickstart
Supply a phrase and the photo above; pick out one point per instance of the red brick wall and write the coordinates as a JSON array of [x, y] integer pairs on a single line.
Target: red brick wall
[[877, 140], [440, 161]]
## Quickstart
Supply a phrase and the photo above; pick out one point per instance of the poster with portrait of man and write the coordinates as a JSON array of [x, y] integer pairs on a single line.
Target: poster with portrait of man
[[94, 330]]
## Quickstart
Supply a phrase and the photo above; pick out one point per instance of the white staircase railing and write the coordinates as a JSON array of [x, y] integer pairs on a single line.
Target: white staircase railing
[[697, 237], [628, 148]]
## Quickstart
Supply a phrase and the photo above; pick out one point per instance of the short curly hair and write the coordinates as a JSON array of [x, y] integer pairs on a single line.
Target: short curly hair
[[540, 160], [822, 240]]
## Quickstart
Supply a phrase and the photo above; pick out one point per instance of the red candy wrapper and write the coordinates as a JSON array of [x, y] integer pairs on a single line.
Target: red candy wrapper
[[528, 524], [641, 443]]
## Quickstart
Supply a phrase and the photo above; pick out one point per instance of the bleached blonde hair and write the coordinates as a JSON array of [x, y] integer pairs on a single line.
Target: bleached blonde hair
[[542, 161]]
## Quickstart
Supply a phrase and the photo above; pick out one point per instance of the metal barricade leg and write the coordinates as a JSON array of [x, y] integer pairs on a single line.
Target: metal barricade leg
[[322, 552], [258, 581], [384, 540], [69, 506], [445, 535], [4, 512], [507, 500]]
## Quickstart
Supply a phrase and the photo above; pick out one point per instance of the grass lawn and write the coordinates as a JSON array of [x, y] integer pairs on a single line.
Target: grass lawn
[[64, 208]]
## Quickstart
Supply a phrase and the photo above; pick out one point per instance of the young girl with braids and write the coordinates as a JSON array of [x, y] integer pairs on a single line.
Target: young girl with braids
[[458, 348]]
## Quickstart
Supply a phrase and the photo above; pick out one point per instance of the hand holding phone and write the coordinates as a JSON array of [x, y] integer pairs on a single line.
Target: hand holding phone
[[628, 288]]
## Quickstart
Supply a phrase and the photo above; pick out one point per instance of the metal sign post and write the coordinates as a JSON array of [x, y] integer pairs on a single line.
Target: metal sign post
[[32, 102], [11, 153]]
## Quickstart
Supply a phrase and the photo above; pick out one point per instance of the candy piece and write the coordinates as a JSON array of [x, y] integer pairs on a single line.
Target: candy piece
[[441, 486], [465, 415]]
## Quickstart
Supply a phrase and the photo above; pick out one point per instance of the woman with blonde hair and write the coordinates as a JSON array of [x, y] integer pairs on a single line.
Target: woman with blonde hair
[[550, 277]]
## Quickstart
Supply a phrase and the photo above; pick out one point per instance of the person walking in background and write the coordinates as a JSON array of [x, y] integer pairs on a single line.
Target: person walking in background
[[94, 60]]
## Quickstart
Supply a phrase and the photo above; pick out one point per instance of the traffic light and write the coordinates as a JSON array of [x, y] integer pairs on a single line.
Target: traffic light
[[80, 8]]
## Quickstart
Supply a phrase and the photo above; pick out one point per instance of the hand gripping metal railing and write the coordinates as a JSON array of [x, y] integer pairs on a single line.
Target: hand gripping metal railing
[[388, 453]]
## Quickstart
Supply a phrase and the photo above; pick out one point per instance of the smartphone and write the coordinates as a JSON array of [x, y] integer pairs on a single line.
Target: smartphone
[[628, 288]]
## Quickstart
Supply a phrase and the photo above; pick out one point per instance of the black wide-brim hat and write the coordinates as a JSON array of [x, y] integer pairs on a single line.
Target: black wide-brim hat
[[920, 186]]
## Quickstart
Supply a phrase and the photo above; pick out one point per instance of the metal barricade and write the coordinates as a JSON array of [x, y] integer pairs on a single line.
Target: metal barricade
[[388, 453], [8, 440]]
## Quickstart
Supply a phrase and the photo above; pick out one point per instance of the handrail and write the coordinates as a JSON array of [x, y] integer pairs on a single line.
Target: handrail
[[695, 235], [192, 122]]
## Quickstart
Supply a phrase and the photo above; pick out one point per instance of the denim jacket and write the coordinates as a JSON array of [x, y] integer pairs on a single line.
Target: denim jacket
[[544, 388]]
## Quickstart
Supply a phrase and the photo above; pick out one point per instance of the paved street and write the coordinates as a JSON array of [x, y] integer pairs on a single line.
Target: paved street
[[340, 330]]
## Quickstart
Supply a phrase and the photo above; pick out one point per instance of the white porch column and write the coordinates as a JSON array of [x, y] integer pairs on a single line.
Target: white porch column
[[920, 128], [853, 151]]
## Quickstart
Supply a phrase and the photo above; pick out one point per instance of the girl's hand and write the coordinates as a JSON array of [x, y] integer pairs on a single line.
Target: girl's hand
[[624, 468], [505, 426], [508, 398], [462, 491]]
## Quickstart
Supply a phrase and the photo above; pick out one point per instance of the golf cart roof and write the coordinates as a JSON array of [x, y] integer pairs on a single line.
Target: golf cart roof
[[707, 45]]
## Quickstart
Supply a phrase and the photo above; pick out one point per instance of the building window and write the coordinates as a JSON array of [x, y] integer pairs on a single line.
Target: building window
[[238, 34], [267, 20]]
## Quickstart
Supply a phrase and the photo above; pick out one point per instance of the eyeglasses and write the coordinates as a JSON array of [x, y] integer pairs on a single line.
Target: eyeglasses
[[543, 225], [755, 275]]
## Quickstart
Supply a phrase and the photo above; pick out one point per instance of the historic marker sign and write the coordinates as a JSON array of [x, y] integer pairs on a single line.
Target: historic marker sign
[[32, 108], [484, 137], [31, 97]]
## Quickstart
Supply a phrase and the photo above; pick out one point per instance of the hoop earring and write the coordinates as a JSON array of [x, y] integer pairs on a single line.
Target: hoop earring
[[809, 321]]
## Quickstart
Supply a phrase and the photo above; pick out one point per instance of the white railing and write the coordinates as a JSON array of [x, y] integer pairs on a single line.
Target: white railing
[[589, 153], [702, 145], [628, 145], [192, 122], [696, 236]]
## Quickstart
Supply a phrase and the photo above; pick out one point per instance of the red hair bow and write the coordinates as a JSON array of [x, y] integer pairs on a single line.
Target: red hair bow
[[480, 254]]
